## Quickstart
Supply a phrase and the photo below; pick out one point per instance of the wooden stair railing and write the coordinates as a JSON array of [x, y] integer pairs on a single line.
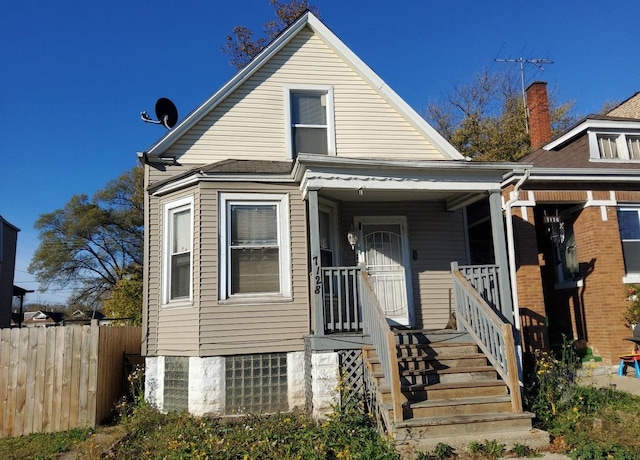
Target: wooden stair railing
[[492, 334], [383, 340]]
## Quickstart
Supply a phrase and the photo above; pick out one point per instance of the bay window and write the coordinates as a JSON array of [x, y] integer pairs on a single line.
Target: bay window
[[178, 243], [254, 245]]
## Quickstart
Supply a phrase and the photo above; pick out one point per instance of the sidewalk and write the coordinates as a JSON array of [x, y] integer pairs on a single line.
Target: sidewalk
[[602, 377], [607, 377]]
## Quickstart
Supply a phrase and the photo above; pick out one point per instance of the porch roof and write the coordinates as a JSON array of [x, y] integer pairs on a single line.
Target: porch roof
[[356, 179]]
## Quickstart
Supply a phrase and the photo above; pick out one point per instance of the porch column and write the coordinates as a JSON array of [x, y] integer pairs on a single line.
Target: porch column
[[500, 254], [315, 277]]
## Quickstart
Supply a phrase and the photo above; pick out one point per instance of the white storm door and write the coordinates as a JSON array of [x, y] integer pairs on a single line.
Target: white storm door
[[383, 250]]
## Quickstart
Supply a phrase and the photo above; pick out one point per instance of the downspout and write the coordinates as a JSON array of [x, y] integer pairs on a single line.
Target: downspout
[[512, 258]]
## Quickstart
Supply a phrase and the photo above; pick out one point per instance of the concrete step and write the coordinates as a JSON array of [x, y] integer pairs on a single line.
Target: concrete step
[[458, 425]]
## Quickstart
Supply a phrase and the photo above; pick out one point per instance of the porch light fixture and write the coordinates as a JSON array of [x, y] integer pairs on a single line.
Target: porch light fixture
[[353, 239]]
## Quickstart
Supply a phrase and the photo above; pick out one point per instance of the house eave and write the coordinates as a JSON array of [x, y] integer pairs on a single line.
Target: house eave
[[317, 173], [575, 175], [201, 177], [592, 124]]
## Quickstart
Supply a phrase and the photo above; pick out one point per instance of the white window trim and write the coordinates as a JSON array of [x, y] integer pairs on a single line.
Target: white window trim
[[167, 209], [629, 277], [621, 143], [284, 243], [331, 133]]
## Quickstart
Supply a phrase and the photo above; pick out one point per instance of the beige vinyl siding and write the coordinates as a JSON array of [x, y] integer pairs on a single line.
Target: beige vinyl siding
[[227, 328], [437, 236], [168, 330], [250, 123]]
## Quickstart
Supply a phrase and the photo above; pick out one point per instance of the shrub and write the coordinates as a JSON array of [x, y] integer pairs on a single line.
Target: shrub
[[631, 315]]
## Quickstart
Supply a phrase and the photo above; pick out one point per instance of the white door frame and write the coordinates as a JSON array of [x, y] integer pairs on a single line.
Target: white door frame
[[406, 260]]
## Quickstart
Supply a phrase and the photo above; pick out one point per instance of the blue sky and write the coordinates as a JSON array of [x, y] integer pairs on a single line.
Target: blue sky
[[76, 74]]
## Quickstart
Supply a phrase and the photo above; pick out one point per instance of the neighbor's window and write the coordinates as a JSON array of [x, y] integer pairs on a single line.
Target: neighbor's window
[[310, 115], [254, 245], [178, 240], [608, 146], [633, 145], [616, 146], [629, 224]]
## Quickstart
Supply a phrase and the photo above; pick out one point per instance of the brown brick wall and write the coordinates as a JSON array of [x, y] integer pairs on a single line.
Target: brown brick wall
[[530, 293], [602, 298]]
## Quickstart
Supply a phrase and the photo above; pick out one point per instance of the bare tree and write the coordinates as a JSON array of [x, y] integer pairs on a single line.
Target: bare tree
[[486, 119], [241, 47]]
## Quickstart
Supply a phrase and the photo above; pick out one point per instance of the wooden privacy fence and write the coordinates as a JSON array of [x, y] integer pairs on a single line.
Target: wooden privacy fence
[[63, 377]]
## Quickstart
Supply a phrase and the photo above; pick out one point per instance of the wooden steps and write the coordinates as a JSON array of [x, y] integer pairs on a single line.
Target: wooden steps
[[448, 388]]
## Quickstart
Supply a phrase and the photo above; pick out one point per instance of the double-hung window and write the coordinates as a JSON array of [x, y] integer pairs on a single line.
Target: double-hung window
[[178, 244], [310, 120], [254, 249], [629, 224]]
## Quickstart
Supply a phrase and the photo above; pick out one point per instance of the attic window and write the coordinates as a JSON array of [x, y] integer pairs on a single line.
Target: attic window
[[633, 145], [615, 146], [608, 146], [310, 120]]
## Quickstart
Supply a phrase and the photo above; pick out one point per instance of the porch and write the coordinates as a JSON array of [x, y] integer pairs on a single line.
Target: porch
[[425, 386], [400, 238]]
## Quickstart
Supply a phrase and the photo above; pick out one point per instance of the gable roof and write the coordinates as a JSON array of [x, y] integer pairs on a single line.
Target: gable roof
[[567, 157], [592, 122], [628, 108], [318, 28]]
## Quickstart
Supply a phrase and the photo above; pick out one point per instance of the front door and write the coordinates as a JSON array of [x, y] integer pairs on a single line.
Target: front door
[[384, 252]]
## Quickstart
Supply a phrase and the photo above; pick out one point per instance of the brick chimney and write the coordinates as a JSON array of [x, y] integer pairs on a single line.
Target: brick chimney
[[539, 120]]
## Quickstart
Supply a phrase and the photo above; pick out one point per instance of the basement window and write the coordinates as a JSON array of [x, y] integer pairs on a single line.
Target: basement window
[[256, 383], [176, 383]]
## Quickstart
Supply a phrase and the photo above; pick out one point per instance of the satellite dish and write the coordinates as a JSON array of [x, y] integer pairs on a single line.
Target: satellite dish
[[166, 114]]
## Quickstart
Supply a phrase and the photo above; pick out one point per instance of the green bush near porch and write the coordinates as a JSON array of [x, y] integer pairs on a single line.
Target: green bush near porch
[[585, 422]]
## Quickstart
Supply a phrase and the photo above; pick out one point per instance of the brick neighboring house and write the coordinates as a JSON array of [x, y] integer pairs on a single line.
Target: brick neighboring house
[[576, 230]]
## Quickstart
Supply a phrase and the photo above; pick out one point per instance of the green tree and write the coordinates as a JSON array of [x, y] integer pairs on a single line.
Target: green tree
[[486, 120], [241, 47], [125, 300], [91, 245]]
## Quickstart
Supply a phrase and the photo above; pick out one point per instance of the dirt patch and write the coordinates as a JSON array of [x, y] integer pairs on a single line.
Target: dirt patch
[[96, 445]]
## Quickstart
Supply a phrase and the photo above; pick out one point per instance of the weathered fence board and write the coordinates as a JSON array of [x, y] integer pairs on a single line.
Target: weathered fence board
[[58, 378]]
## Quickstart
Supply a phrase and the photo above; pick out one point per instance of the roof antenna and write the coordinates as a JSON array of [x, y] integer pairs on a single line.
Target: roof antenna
[[538, 63], [166, 114]]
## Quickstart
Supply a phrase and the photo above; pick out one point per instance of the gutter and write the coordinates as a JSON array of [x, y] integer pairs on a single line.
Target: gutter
[[512, 259]]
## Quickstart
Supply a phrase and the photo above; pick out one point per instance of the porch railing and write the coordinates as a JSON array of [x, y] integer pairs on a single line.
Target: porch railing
[[492, 334], [342, 310], [484, 278], [383, 340]]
